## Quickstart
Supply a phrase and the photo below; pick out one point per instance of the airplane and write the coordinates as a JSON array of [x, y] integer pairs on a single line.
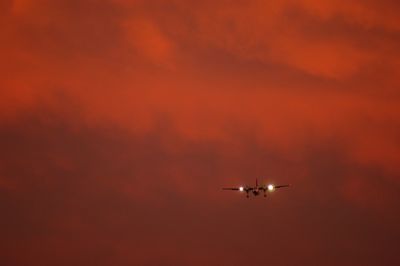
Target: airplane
[[257, 189]]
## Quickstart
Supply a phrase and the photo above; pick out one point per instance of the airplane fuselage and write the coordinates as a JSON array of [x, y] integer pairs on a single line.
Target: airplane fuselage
[[256, 192]]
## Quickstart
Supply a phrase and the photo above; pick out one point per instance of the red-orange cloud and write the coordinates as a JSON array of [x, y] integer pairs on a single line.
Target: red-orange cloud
[[121, 119]]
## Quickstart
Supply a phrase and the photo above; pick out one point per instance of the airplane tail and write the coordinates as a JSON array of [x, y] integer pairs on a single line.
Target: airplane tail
[[256, 182]]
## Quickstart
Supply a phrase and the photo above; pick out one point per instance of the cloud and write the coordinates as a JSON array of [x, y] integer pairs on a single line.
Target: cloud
[[149, 41], [120, 121], [96, 193], [283, 69]]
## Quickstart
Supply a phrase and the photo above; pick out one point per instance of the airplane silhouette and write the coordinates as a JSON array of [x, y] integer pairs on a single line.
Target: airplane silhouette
[[257, 189]]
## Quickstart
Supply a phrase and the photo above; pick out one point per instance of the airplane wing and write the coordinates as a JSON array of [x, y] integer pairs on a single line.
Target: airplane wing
[[239, 188], [279, 186], [271, 187]]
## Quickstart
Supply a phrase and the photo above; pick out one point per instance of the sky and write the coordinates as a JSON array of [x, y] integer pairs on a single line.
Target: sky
[[120, 122]]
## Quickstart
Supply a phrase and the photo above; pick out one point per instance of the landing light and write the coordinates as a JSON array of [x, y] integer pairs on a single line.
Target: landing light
[[241, 188], [270, 187]]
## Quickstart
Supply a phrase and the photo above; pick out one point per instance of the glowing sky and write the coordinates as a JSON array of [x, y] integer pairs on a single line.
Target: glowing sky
[[121, 120]]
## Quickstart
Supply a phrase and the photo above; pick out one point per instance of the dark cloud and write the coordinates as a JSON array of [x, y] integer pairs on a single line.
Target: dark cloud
[[101, 195]]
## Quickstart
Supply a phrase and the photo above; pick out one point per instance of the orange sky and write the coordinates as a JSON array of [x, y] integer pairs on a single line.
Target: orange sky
[[120, 120]]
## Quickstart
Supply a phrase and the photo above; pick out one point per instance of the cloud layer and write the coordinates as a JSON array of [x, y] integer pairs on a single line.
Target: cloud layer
[[121, 120]]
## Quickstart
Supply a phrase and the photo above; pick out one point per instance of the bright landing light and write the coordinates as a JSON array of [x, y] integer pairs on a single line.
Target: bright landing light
[[241, 188], [270, 187]]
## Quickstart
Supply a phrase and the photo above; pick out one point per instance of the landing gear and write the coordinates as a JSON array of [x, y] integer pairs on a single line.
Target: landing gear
[[247, 194], [265, 194]]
